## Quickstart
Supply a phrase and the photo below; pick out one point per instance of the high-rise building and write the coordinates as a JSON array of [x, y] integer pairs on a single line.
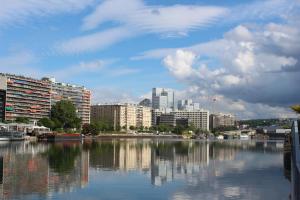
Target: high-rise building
[[32, 98], [24, 97], [187, 104], [78, 95], [163, 99], [221, 120]]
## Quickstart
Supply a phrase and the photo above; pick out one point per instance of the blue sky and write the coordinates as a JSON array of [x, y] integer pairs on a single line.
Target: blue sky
[[120, 49]]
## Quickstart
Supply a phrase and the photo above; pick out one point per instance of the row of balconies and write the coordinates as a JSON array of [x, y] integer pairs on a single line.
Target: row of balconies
[[22, 99], [22, 84], [28, 93], [16, 85]]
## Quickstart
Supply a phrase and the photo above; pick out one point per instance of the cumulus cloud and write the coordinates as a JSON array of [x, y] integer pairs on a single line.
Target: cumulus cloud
[[180, 64], [256, 67], [18, 11]]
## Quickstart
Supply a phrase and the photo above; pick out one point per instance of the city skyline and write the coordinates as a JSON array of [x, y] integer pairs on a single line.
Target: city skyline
[[232, 57]]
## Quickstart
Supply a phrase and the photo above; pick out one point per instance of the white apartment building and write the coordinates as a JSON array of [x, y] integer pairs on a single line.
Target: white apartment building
[[143, 117], [199, 118]]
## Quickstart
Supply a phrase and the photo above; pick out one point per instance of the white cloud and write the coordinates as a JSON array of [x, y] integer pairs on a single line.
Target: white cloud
[[136, 18], [251, 68], [241, 109], [124, 71], [95, 41], [180, 64], [112, 95], [18, 11], [83, 67], [177, 19]]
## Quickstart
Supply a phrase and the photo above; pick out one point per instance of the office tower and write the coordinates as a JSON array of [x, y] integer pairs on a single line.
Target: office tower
[[163, 99], [187, 104], [78, 95]]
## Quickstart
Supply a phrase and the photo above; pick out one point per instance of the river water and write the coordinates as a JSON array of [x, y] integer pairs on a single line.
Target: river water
[[142, 169]]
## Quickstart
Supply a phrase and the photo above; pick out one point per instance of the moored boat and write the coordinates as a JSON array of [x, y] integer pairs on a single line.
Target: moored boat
[[12, 136], [61, 137], [244, 137]]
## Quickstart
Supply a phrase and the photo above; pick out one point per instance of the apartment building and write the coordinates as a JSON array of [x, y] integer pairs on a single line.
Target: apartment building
[[199, 118], [221, 120], [24, 97], [143, 116], [78, 95], [32, 98], [155, 115], [122, 116]]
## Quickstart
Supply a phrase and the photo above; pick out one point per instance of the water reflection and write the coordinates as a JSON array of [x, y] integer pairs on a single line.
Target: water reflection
[[205, 170]]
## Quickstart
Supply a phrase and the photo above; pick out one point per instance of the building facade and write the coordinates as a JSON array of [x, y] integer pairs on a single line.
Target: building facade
[[163, 99], [32, 98], [78, 95], [24, 97], [143, 117], [155, 116], [167, 119], [221, 120], [187, 104], [120, 116], [199, 118]]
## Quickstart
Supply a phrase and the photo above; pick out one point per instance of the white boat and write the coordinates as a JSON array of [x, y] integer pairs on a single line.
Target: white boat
[[244, 137], [220, 137], [12, 136]]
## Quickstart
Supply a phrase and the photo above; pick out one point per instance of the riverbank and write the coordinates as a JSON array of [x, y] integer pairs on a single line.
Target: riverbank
[[108, 136]]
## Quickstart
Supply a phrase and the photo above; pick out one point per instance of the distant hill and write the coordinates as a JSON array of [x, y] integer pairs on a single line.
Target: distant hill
[[253, 123]]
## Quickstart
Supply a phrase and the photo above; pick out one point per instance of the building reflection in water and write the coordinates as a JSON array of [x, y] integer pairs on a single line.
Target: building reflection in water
[[41, 170], [27, 169]]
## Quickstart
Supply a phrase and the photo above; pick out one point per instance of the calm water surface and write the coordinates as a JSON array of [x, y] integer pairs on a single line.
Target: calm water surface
[[145, 169]]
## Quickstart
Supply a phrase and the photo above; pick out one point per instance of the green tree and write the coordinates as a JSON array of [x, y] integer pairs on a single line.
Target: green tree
[[179, 129], [94, 129], [63, 113], [131, 128], [164, 128], [46, 122], [85, 129], [296, 108], [22, 120]]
